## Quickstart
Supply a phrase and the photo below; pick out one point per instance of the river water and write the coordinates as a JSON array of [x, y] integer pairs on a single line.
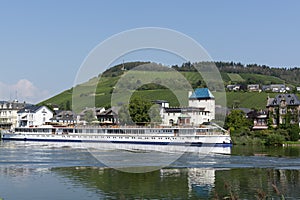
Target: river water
[[33, 170]]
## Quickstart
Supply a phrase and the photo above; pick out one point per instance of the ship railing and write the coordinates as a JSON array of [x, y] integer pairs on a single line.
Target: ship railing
[[140, 127], [212, 133]]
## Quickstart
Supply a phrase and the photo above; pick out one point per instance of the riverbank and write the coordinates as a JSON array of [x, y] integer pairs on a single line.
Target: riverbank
[[263, 140], [292, 143]]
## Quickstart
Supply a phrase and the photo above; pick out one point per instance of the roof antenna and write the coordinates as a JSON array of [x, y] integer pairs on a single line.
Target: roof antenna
[[16, 100]]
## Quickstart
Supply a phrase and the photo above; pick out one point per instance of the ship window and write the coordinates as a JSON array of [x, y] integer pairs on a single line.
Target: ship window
[[100, 131]]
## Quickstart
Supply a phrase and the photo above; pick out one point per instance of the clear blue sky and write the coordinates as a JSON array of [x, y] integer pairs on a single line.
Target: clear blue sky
[[43, 43]]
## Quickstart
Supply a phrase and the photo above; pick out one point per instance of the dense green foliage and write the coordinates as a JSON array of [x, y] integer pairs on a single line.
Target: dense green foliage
[[237, 120], [241, 133], [140, 112]]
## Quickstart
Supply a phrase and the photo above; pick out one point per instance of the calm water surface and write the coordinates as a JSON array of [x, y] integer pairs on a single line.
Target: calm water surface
[[33, 170]]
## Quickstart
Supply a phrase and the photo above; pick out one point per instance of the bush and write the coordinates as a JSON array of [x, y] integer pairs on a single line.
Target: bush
[[274, 139], [293, 133]]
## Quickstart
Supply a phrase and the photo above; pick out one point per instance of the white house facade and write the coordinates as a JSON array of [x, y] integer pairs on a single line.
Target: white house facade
[[8, 113], [34, 116], [201, 109]]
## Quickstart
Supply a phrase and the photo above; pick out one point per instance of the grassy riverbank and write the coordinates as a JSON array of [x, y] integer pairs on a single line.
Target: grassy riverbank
[[248, 140], [292, 143]]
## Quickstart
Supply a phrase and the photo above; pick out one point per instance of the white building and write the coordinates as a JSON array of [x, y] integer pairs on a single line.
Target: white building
[[201, 109], [64, 117], [278, 88], [8, 113], [253, 87], [34, 116]]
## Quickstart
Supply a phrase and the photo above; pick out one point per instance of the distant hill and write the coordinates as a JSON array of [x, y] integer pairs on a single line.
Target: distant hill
[[231, 73]]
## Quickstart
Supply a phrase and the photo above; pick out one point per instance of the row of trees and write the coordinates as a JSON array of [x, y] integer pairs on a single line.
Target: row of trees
[[289, 75]]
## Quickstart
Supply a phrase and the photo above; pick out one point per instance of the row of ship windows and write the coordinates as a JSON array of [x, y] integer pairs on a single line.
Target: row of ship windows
[[117, 131], [195, 113], [108, 137]]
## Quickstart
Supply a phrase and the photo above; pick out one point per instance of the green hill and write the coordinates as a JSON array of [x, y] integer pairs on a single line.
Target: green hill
[[105, 86]]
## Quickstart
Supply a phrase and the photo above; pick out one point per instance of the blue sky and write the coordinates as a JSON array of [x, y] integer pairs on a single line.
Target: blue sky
[[43, 43]]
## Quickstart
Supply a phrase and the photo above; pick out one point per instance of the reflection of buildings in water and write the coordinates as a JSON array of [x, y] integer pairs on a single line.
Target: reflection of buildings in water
[[15, 172], [165, 183], [200, 180], [20, 172], [182, 183]]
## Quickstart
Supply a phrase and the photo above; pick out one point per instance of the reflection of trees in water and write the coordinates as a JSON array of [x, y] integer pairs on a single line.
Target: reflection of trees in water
[[165, 183], [252, 183], [192, 183]]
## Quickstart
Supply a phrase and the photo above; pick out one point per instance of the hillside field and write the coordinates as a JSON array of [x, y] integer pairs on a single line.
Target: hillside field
[[100, 89]]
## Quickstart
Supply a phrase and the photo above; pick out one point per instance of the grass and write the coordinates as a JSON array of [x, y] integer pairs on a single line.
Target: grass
[[297, 143], [245, 99], [248, 99], [235, 77], [85, 93], [262, 79], [192, 77]]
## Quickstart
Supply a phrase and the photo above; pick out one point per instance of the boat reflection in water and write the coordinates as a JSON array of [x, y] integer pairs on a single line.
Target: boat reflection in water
[[142, 158], [133, 158]]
